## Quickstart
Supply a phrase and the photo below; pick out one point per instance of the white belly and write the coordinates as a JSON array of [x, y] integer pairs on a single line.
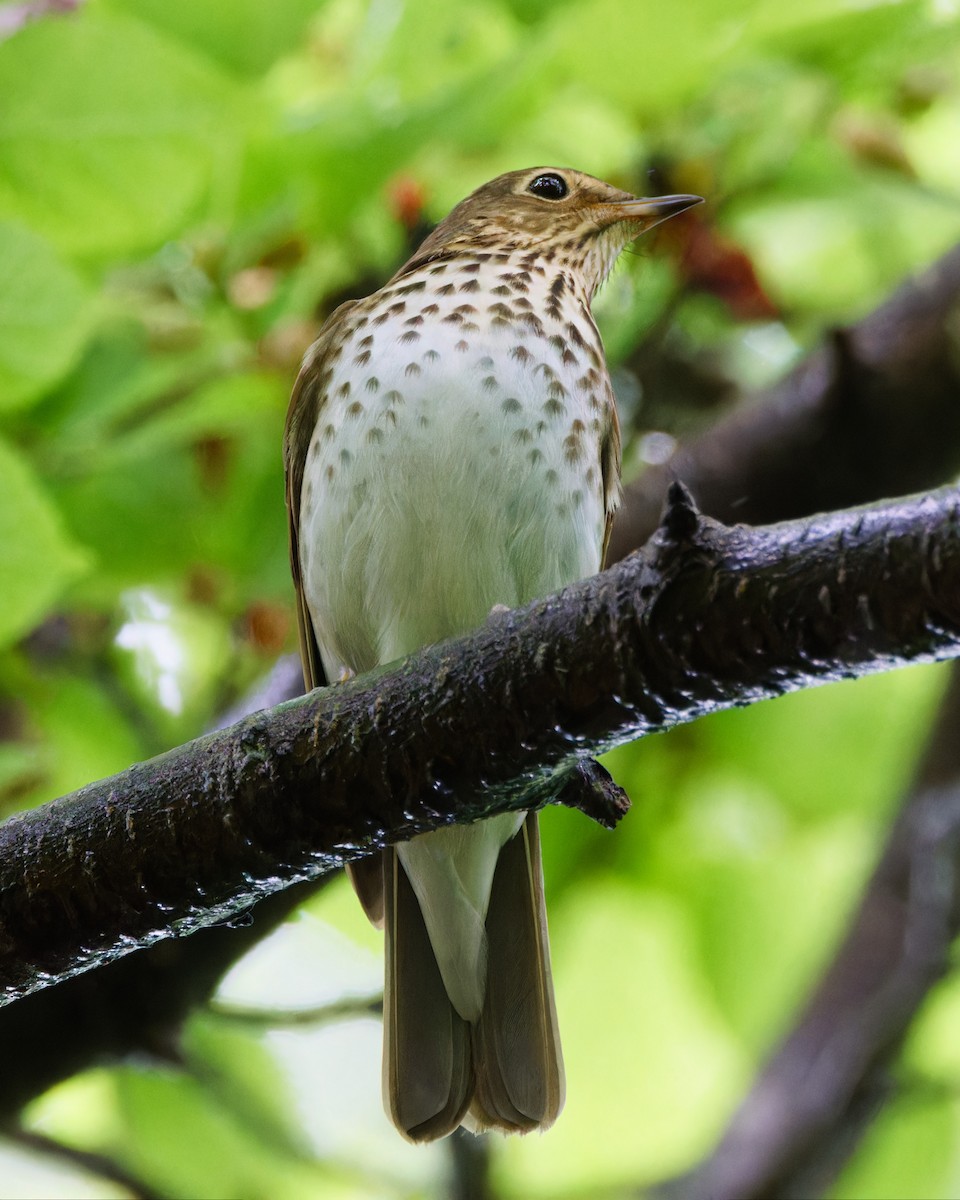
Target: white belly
[[455, 481]]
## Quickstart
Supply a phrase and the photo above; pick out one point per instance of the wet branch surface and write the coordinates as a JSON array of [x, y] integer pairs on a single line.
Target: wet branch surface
[[706, 617]]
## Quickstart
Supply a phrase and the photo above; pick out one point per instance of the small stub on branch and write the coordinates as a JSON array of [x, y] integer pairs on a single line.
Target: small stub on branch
[[591, 789], [680, 518]]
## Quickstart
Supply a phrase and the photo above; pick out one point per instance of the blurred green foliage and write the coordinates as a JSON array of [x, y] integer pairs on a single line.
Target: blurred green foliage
[[185, 191]]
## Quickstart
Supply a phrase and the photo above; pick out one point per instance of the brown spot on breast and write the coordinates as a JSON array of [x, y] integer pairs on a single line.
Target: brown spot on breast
[[574, 334], [511, 405], [533, 322], [345, 456], [329, 472], [523, 436], [416, 286], [554, 407], [431, 356], [489, 384], [568, 358], [344, 390], [372, 384], [521, 354], [454, 318], [471, 285], [392, 397], [535, 455], [366, 342], [362, 359], [471, 268], [410, 336], [462, 346], [447, 290], [557, 390], [374, 434], [501, 290], [431, 310], [500, 310], [470, 327], [412, 369], [355, 409], [328, 432], [438, 269], [416, 319]]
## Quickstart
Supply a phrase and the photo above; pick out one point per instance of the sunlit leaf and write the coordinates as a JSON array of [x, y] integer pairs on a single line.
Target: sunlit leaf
[[38, 558], [44, 315], [245, 35], [109, 134]]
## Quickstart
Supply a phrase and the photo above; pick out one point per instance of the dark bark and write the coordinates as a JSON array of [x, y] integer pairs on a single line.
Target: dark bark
[[134, 1005], [873, 412], [705, 618], [820, 1090]]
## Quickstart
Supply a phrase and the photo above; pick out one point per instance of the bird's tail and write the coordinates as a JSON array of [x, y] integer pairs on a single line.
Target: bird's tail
[[503, 1071]]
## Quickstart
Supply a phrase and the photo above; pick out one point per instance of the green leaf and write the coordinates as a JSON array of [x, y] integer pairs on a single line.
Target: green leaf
[[109, 135], [84, 732], [44, 316], [643, 1046], [37, 558], [245, 35]]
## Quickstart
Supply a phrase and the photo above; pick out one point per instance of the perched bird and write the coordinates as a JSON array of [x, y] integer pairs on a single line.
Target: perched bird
[[452, 444]]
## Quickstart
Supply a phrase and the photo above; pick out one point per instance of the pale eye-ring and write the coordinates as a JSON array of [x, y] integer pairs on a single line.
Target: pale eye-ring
[[549, 186]]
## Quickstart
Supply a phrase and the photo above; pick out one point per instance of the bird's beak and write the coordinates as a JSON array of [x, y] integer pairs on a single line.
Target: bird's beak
[[645, 213]]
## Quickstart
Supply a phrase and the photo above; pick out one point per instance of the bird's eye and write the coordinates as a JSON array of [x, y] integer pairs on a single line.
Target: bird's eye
[[549, 187]]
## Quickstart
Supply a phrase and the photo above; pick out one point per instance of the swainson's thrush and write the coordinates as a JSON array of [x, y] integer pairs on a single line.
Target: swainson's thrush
[[452, 444]]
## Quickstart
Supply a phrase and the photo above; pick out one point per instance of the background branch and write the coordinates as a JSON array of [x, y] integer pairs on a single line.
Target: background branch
[[833, 1072], [873, 412]]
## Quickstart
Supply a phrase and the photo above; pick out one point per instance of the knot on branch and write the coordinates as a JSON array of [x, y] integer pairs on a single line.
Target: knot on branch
[[591, 789], [680, 537], [680, 518]]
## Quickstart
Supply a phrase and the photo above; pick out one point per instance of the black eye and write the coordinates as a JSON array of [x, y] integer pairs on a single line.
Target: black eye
[[549, 187]]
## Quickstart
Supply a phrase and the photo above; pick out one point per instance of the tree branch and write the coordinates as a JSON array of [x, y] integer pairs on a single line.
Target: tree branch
[[873, 412], [705, 618], [812, 1102]]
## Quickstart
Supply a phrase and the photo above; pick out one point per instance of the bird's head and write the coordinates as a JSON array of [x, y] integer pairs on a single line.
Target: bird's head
[[556, 214]]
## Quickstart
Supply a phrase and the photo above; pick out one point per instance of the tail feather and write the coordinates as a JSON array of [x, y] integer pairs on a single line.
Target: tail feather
[[427, 1071], [504, 1071], [516, 1043]]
